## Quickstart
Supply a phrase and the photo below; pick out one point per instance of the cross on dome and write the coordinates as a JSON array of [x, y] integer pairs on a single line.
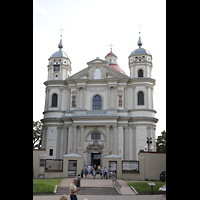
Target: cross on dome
[[111, 47]]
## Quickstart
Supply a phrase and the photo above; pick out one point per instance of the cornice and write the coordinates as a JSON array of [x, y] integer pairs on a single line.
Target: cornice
[[54, 82]]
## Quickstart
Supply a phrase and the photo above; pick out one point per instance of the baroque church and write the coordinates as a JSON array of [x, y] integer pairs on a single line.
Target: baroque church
[[99, 108]]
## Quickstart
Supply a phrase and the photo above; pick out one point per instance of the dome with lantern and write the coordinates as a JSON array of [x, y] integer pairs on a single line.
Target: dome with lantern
[[60, 53], [140, 51], [111, 58]]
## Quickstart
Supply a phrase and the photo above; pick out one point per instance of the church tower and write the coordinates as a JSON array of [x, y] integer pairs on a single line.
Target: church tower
[[59, 67], [140, 62]]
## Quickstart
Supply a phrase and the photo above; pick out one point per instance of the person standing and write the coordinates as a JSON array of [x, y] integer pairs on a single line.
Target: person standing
[[105, 173], [73, 189], [86, 172], [94, 173], [78, 184], [101, 173], [114, 177], [82, 172]]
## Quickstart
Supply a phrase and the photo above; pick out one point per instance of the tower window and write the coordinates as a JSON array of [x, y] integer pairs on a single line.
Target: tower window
[[140, 98], [54, 100], [140, 73], [50, 152], [97, 103], [95, 136]]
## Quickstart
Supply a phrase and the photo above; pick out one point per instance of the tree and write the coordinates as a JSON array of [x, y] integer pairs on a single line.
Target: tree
[[161, 142], [37, 134]]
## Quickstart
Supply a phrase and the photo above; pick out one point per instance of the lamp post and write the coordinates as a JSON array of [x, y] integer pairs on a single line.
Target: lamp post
[[149, 141]]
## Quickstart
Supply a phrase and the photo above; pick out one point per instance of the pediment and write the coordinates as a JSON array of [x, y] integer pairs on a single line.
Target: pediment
[[83, 74], [97, 61]]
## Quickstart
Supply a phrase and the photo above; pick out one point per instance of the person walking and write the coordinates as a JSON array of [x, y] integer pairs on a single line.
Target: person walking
[[78, 184], [82, 172], [94, 173], [73, 189], [105, 173], [101, 173], [114, 177], [86, 172]]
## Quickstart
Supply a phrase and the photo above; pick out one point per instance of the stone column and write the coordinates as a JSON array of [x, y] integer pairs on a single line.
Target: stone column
[[44, 138], [152, 97], [154, 138], [108, 93], [120, 141], [115, 140], [58, 142], [134, 142], [115, 97], [147, 96], [60, 99], [82, 136], [133, 105], [74, 139], [84, 97], [65, 139], [126, 143], [107, 136]]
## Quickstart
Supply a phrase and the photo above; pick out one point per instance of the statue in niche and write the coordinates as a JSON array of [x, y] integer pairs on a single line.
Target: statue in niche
[[73, 102], [120, 101]]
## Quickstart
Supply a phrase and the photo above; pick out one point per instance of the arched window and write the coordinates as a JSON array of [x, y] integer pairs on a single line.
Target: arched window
[[140, 73], [140, 98], [95, 136], [54, 100], [97, 103]]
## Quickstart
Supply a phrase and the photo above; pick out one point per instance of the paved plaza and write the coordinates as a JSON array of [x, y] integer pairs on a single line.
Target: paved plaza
[[126, 192]]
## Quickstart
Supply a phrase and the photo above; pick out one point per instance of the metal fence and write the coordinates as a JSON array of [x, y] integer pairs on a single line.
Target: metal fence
[[132, 165], [54, 164]]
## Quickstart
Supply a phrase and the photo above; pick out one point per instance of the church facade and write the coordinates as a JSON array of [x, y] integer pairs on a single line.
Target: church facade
[[100, 108]]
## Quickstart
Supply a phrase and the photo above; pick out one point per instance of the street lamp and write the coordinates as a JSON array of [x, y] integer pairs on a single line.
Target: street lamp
[[149, 141]]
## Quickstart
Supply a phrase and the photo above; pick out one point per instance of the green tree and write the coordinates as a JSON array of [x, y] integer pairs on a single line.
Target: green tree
[[37, 134], [161, 142]]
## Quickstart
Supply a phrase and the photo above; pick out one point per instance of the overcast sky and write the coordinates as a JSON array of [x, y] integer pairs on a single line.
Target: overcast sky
[[90, 27]]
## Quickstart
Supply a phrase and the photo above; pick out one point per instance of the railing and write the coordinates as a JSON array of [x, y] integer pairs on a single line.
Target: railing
[[118, 187]]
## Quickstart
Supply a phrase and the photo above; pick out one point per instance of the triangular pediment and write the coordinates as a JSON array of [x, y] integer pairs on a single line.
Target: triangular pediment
[[97, 61], [83, 74]]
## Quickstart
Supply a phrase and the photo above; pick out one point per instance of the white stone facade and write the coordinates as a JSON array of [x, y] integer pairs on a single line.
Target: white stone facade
[[98, 108]]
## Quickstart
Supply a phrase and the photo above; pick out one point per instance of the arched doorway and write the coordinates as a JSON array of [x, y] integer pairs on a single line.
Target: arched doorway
[[94, 153]]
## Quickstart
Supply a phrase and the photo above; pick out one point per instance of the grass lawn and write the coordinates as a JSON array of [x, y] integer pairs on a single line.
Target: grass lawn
[[143, 187], [45, 185]]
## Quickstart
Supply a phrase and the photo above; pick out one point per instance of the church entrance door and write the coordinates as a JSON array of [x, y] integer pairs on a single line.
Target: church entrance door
[[95, 159], [94, 153]]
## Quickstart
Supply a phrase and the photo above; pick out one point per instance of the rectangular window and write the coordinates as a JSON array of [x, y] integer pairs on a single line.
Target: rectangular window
[[132, 165], [50, 152], [42, 162]]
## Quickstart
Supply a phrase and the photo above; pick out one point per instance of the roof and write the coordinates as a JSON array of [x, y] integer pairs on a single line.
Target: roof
[[59, 54], [117, 67], [73, 155], [111, 54], [140, 51], [112, 156]]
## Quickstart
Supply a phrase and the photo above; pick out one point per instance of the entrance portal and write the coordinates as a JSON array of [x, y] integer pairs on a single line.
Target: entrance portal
[[95, 159], [94, 154]]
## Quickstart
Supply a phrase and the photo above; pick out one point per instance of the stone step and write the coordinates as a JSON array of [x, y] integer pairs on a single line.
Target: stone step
[[88, 191]]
